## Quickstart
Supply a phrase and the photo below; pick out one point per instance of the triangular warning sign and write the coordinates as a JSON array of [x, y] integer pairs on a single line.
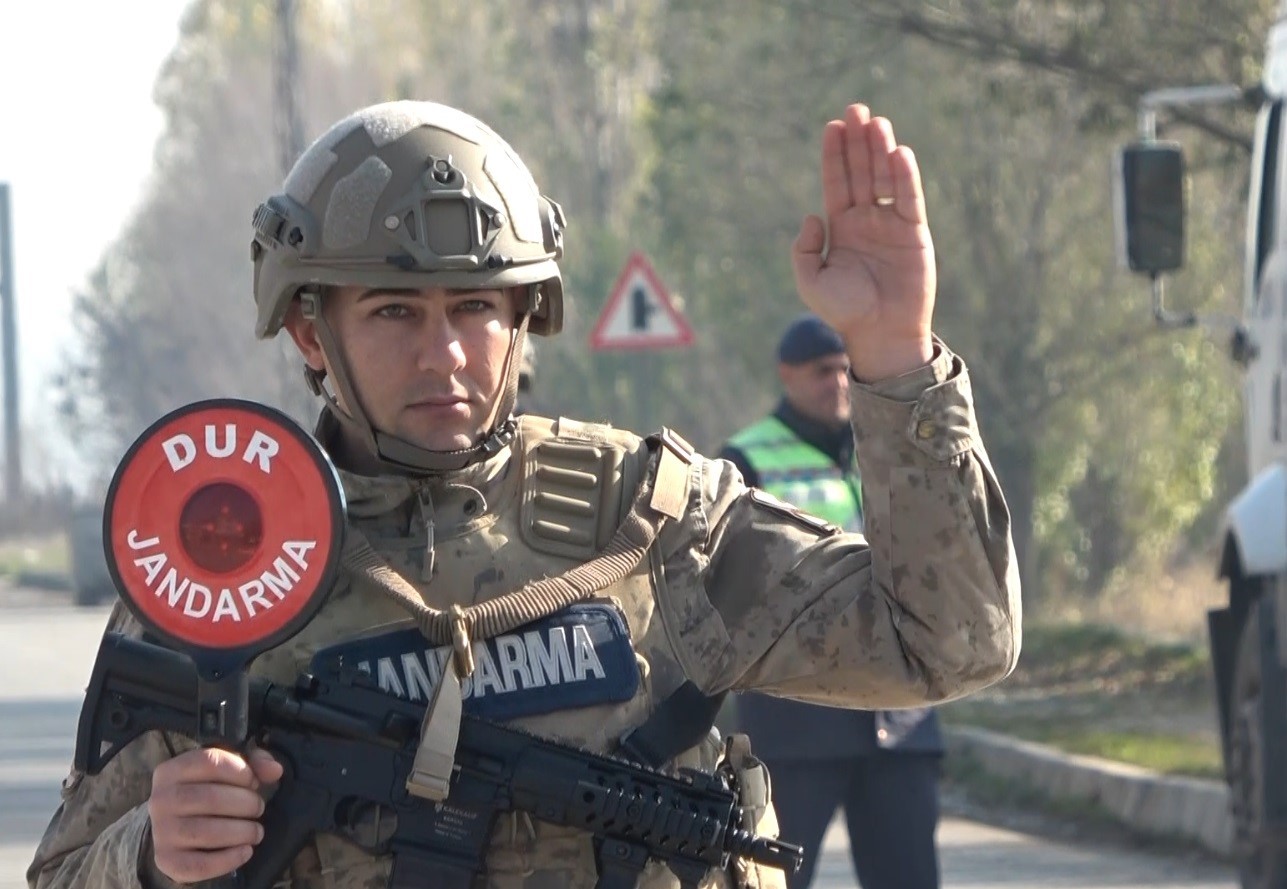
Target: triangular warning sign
[[640, 313]]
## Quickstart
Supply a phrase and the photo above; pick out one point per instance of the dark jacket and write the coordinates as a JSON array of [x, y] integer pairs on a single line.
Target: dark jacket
[[783, 729]]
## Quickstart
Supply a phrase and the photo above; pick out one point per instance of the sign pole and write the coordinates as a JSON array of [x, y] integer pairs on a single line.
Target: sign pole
[[9, 339]]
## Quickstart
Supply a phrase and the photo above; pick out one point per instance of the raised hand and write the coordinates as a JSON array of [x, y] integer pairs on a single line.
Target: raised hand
[[868, 270]]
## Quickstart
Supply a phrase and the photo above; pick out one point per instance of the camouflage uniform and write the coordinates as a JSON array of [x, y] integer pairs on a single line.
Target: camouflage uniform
[[742, 593]]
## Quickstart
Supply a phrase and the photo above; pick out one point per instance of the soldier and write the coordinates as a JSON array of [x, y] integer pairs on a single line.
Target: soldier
[[408, 257], [881, 767]]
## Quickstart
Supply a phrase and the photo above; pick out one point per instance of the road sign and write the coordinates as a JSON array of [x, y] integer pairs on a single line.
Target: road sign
[[640, 313]]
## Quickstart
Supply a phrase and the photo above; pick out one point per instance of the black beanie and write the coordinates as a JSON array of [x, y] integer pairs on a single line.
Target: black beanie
[[808, 337]]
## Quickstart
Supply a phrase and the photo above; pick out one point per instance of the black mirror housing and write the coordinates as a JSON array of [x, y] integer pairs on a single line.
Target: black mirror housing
[[1148, 204]]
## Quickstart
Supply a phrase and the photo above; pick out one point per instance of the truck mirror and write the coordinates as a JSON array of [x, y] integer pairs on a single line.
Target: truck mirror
[[1148, 204]]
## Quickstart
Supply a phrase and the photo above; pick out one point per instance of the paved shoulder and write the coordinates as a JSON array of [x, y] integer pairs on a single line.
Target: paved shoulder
[[979, 856]]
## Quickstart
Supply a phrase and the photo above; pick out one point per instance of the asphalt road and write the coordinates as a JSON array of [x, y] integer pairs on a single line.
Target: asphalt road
[[47, 648]]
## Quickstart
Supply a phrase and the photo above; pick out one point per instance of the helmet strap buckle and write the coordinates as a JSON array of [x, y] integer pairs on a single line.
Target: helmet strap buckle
[[499, 439], [314, 379], [310, 303]]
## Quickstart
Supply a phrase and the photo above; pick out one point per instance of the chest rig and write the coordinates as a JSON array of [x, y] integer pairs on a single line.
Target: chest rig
[[574, 517]]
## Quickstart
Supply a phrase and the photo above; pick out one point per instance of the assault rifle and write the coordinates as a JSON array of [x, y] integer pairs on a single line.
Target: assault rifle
[[348, 747]]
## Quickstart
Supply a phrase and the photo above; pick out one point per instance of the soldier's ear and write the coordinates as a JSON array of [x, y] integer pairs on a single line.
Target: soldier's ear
[[304, 332]]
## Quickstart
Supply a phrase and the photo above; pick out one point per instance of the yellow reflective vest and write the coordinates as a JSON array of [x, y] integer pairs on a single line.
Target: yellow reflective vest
[[795, 471]]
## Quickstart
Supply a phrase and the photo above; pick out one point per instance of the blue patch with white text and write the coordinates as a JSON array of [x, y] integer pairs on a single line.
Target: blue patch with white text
[[579, 657]]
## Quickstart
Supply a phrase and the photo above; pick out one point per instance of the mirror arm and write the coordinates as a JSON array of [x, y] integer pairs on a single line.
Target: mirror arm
[[1241, 347], [1164, 316], [1214, 94]]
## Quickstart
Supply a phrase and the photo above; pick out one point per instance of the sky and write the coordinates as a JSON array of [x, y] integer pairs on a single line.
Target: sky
[[77, 129]]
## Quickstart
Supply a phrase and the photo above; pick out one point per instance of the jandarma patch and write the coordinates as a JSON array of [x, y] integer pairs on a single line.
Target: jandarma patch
[[580, 657]]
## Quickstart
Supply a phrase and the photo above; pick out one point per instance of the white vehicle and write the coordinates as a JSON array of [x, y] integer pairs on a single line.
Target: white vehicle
[[1248, 636]]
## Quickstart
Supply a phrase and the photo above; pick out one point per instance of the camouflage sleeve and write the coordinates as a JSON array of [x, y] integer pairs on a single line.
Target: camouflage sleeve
[[922, 609], [100, 836]]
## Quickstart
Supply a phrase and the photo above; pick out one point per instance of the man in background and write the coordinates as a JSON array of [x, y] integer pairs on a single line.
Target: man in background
[[881, 767]]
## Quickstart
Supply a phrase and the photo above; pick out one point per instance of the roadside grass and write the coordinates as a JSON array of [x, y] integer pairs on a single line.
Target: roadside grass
[[1097, 690], [37, 561]]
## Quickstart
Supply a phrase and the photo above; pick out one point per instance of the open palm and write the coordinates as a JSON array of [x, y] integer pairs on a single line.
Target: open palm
[[868, 271]]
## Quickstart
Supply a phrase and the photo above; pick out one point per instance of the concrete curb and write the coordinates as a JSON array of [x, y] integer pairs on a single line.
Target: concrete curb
[[1152, 803]]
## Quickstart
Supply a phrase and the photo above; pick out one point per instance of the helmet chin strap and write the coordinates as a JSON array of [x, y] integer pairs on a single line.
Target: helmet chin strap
[[396, 453]]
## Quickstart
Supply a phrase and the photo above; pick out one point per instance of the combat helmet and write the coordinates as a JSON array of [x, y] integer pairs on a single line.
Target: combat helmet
[[409, 194]]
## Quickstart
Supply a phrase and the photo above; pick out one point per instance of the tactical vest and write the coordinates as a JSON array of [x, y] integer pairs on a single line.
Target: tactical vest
[[793, 470], [551, 503]]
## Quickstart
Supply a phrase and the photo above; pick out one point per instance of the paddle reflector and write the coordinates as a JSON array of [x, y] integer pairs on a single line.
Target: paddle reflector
[[223, 527]]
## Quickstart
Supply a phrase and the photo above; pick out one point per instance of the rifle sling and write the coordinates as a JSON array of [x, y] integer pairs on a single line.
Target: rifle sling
[[680, 722]]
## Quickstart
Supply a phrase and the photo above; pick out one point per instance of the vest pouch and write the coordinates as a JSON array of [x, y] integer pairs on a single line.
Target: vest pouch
[[750, 777]]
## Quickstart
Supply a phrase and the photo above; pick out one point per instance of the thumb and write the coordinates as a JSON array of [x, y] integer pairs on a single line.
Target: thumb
[[806, 252], [265, 766]]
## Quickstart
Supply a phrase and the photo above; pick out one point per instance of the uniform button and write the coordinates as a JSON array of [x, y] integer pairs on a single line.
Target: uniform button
[[883, 734], [926, 429]]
